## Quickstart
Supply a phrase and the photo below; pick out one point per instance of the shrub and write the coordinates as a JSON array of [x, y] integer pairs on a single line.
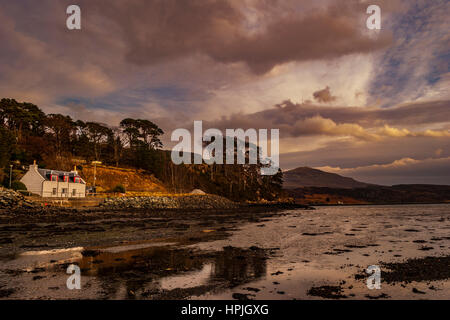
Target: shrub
[[119, 189], [17, 185]]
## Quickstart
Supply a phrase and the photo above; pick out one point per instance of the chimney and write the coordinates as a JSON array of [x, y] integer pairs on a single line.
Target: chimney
[[34, 166]]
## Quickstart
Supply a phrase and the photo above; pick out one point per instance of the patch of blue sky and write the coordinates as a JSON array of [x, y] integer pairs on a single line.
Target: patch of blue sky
[[407, 68], [167, 96]]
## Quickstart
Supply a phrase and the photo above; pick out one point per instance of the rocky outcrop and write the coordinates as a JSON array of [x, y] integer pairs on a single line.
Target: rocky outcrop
[[198, 192], [10, 199], [180, 202]]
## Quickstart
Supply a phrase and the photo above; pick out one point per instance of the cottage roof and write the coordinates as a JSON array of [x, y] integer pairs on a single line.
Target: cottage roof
[[47, 173]]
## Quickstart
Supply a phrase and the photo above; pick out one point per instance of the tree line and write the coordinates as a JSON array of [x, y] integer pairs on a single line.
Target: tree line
[[28, 134], [55, 140]]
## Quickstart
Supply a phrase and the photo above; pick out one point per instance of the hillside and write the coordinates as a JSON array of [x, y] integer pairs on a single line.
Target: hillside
[[309, 177], [27, 134], [133, 180]]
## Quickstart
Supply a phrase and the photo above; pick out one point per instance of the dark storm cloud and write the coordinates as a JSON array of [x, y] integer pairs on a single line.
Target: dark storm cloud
[[44, 62], [162, 30]]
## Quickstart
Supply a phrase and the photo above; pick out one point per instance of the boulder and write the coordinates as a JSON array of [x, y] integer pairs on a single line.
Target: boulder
[[198, 191]]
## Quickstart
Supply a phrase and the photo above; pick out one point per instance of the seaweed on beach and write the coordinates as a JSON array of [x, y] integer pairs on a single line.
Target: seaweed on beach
[[417, 269], [327, 292]]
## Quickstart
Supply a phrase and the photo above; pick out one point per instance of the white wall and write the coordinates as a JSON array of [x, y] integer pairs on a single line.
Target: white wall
[[36, 184], [33, 180], [48, 187]]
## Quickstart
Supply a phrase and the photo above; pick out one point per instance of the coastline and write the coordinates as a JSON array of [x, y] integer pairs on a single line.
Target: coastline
[[12, 203], [244, 253]]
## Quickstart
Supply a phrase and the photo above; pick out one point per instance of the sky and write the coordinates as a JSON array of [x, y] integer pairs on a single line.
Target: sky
[[370, 104]]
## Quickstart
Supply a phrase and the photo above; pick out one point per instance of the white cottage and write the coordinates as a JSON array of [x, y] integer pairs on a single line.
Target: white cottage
[[54, 183]]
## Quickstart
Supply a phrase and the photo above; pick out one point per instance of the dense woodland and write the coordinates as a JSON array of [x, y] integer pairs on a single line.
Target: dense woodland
[[57, 141]]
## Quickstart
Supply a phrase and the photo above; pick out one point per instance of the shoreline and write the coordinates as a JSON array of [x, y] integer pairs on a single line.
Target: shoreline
[[53, 210], [376, 204], [254, 253], [15, 203]]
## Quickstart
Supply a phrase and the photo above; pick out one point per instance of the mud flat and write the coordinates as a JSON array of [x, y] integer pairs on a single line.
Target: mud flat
[[243, 253]]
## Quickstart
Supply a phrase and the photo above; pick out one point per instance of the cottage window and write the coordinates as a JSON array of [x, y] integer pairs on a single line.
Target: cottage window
[[54, 191], [53, 177], [64, 190], [77, 179], [74, 192], [66, 178]]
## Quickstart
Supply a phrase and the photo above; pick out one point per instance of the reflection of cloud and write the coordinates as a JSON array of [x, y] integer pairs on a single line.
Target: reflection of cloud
[[187, 280]]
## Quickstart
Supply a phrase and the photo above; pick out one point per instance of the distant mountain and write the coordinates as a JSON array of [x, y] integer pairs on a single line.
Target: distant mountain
[[398, 194], [309, 177]]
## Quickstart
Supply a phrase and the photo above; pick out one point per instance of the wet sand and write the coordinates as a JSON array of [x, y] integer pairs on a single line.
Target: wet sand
[[230, 254]]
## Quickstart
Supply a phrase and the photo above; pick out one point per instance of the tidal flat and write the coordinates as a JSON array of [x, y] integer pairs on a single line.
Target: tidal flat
[[229, 254]]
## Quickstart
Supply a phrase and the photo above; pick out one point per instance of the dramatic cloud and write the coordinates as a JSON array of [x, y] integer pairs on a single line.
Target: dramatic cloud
[[324, 95], [164, 30], [344, 153], [229, 62], [406, 170], [295, 120]]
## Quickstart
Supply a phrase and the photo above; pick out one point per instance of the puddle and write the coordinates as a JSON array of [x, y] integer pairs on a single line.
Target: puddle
[[189, 279], [124, 248], [161, 270]]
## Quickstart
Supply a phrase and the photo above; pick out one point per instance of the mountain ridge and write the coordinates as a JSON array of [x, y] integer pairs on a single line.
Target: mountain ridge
[[310, 177]]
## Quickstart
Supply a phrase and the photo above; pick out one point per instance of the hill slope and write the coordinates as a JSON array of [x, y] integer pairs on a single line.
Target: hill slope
[[309, 177], [132, 179]]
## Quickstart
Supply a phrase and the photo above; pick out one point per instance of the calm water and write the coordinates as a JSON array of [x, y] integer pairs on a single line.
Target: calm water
[[279, 258]]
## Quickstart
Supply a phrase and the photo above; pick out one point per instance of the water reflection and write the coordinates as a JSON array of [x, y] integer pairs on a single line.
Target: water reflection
[[169, 272]]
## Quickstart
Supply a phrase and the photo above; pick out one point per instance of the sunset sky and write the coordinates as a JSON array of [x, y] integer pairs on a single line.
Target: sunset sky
[[370, 104]]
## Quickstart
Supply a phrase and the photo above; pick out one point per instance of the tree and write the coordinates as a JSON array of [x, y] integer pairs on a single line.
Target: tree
[[18, 186], [61, 129], [130, 128], [97, 133], [115, 145], [7, 143], [21, 118], [142, 130], [150, 133]]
